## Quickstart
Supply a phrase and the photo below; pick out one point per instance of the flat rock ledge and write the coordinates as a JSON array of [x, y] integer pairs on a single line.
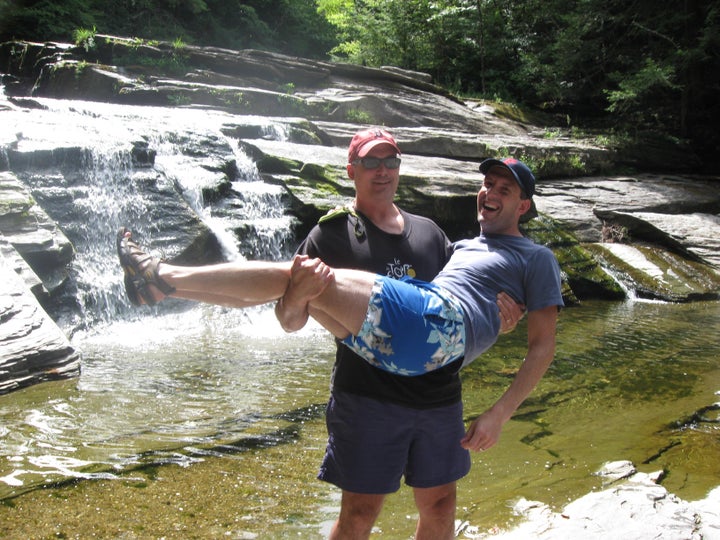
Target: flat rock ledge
[[635, 507], [32, 347]]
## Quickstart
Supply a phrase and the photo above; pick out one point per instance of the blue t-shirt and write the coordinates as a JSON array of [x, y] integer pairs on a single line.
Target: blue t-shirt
[[482, 267]]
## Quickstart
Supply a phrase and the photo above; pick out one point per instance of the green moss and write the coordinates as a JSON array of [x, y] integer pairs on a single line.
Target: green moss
[[664, 275], [139, 52], [293, 105], [327, 180], [583, 276], [179, 99], [303, 133], [313, 171], [513, 112], [278, 165], [358, 116], [545, 230]]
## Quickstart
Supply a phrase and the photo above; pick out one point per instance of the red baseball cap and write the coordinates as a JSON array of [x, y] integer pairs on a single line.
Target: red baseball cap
[[367, 139]]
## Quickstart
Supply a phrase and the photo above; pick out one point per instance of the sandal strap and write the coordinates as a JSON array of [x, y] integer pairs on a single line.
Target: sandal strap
[[141, 270]]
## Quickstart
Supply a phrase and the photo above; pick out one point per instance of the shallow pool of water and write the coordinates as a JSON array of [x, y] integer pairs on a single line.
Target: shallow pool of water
[[209, 423]]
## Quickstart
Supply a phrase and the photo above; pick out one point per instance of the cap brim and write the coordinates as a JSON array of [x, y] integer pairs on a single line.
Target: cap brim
[[374, 143], [488, 164]]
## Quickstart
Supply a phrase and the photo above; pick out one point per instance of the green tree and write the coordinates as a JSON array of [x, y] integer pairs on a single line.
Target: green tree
[[291, 26], [45, 20]]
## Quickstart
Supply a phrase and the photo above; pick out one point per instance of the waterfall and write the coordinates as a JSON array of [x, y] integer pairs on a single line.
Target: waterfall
[[95, 184], [634, 263]]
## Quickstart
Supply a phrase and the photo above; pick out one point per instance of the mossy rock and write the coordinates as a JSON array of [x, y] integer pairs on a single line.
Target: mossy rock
[[581, 271], [658, 274]]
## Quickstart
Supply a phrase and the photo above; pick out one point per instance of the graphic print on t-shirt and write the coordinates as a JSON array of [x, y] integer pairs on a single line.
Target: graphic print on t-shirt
[[397, 270]]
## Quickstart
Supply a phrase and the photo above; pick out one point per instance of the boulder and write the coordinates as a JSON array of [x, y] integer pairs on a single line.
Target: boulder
[[40, 251], [32, 347]]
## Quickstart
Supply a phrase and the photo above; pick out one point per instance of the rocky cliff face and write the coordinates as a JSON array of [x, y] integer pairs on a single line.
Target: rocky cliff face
[[32, 347], [294, 118]]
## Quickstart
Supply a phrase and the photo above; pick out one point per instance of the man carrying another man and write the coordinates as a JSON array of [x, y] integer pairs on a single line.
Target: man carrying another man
[[460, 306]]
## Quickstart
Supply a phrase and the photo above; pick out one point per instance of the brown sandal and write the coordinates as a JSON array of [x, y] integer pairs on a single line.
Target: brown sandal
[[141, 271]]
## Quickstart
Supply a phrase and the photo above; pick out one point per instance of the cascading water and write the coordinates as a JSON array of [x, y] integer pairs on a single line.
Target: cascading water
[[154, 380], [107, 189]]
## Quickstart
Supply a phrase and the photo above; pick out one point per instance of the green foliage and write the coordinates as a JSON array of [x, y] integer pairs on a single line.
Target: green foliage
[[135, 52], [290, 26], [178, 44], [46, 20], [627, 66], [601, 63], [85, 38], [357, 116], [179, 100], [287, 88], [80, 67], [631, 89]]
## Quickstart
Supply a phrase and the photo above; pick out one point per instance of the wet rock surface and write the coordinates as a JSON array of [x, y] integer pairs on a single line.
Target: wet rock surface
[[632, 507], [294, 118]]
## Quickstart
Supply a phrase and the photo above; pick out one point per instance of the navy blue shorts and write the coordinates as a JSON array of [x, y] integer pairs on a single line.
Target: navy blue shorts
[[372, 444]]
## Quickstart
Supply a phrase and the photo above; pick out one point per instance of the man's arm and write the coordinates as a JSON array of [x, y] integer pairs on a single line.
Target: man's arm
[[291, 316], [484, 432], [305, 284]]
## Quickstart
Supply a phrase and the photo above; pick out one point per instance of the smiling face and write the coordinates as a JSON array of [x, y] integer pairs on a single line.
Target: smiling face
[[375, 186], [500, 203]]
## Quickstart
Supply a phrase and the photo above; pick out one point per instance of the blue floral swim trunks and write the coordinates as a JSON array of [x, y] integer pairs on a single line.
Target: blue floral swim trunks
[[411, 327]]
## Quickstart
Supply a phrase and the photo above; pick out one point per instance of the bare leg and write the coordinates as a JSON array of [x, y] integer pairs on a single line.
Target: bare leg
[[241, 284], [358, 513], [338, 304], [340, 307], [437, 512], [338, 299]]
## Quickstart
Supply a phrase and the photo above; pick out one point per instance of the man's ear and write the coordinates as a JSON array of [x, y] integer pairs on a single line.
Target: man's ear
[[525, 205], [530, 213], [351, 171]]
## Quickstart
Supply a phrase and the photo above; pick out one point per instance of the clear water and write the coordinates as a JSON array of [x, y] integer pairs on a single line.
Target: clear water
[[215, 390], [208, 422]]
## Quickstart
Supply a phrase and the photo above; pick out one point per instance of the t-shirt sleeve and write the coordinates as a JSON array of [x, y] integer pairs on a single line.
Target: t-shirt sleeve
[[308, 246], [543, 281]]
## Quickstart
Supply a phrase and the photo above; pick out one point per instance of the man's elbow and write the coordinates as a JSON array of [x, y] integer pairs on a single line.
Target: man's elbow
[[291, 327], [288, 322]]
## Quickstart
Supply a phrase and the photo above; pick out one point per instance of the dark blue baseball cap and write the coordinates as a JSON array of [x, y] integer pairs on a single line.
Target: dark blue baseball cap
[[521, 172]]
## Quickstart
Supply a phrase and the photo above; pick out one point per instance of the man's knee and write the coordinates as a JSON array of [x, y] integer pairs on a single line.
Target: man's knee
[[438, 501], [358, 513], [437, 512]]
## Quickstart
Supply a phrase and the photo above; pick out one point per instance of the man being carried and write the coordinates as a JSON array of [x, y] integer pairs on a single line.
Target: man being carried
[[406, 326]]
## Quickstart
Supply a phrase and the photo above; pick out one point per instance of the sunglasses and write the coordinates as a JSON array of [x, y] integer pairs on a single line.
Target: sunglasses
[[374, 163]]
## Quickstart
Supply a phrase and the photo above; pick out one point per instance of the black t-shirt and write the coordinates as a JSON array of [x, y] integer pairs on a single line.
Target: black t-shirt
[[353, 241]]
